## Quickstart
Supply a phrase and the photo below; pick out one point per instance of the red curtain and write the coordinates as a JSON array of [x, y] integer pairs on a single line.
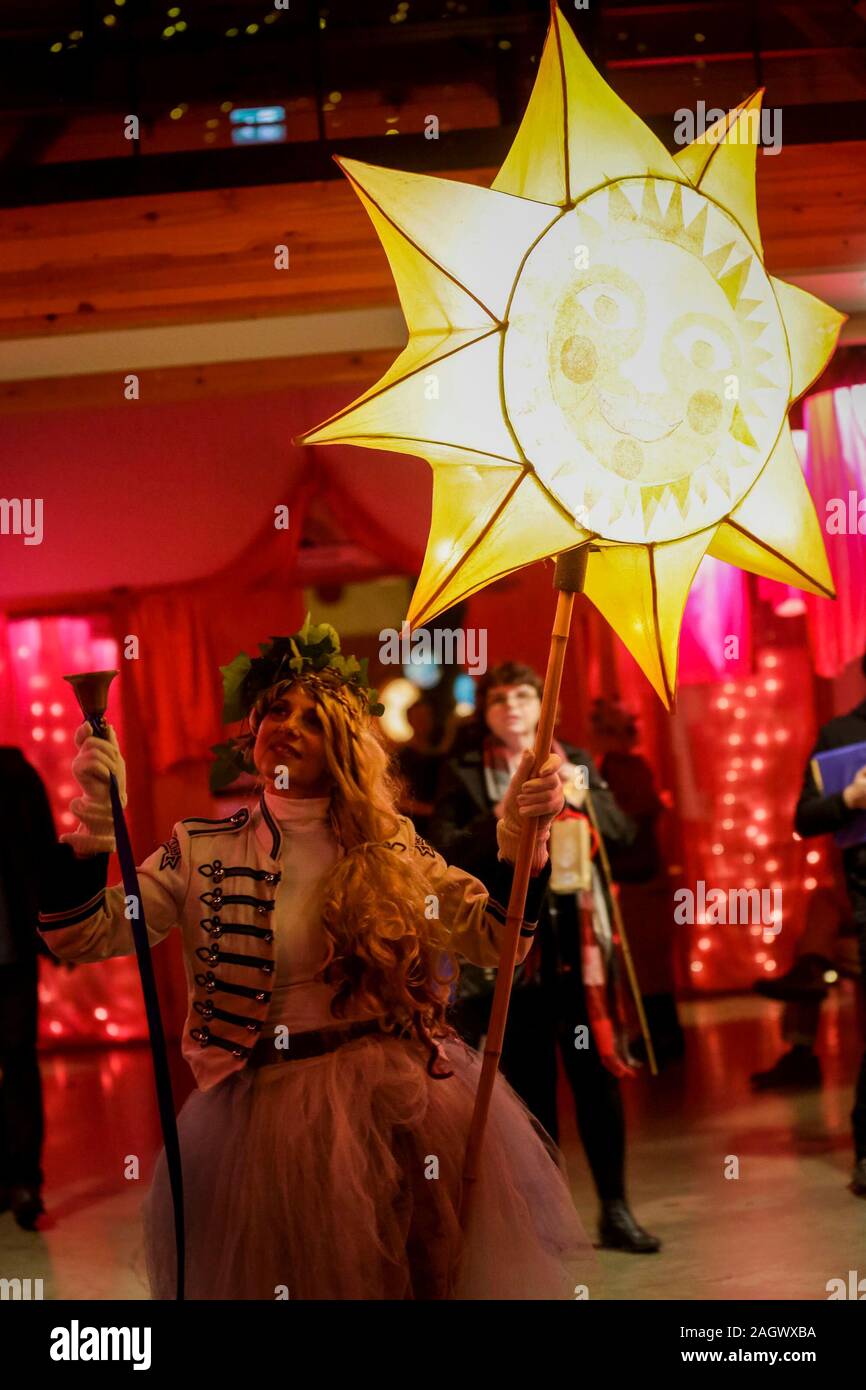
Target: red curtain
[[836, 424]]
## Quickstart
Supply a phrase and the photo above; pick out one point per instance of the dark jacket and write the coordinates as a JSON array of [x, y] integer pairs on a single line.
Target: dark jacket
[[823, 815], [27, 841], [463, 828]]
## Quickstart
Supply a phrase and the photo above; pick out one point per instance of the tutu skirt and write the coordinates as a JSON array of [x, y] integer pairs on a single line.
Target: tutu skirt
[[339, 1177]]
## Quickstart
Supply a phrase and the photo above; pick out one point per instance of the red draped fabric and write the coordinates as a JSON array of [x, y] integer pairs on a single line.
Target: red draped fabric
[[836, 424]]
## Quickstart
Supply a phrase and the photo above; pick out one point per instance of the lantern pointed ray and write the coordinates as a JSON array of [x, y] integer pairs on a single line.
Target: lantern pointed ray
[[728, 177], [693, 158], [812, 327], [774, 531], [451, 402], [471, 547], [421, 212], [576, 133], [657, 579]]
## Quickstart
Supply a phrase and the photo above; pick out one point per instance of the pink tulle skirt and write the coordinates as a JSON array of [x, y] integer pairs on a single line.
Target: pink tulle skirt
[[338, 1177]]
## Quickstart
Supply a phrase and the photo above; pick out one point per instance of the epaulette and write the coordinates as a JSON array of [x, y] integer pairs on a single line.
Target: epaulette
[[225, 825]]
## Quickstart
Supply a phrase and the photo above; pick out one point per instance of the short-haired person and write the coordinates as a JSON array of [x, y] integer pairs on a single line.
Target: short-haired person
[[320, 937], [549, 1003], [818, 814]]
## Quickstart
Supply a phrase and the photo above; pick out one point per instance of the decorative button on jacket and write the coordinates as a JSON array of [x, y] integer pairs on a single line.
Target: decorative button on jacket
[[220, 882]]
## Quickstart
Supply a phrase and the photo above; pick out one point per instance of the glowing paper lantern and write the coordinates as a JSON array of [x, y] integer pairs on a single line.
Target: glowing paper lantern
[[596, 353]]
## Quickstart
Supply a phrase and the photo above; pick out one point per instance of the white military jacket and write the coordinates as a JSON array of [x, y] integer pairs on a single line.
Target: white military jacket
[[220, 882]]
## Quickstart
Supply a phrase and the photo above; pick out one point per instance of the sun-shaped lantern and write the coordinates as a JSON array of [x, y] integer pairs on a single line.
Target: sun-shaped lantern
[[597, 354]]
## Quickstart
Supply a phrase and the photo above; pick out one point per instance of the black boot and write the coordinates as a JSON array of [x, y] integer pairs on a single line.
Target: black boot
[[805, 981], [796, 1070], [26, 1206], [618, 1230], [858, 1178]]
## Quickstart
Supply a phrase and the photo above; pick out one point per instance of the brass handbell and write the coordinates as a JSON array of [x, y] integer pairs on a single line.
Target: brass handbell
[[91, 692]]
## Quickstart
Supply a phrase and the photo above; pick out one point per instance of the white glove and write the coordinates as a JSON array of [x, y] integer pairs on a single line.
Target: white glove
[[538, 797], [97, 759]]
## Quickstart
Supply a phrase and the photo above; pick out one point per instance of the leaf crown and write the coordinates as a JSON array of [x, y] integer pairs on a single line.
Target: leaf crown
[[312, 651]]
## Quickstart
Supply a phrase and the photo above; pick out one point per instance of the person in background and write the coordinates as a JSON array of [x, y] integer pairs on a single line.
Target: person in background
[[817, 814], [27, 839], [641, 873], [566, 978], [826, 950]]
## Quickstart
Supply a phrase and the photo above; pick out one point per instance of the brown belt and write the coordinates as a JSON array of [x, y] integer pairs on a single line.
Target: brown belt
[[312, 1044]]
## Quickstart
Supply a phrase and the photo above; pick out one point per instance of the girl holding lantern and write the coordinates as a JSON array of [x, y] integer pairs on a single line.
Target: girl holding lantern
[[323, 1148]]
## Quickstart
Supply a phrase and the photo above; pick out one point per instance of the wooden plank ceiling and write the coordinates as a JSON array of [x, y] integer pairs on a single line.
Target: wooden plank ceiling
[[208, 256]]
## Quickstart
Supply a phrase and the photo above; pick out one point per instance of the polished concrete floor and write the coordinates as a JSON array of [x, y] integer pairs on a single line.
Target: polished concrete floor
[[780, 1230]]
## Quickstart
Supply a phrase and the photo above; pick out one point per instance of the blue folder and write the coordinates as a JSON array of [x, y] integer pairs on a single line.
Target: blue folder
[[833, 770]]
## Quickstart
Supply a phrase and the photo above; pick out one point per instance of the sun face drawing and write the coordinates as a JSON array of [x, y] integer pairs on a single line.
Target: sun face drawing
[[597, 355]]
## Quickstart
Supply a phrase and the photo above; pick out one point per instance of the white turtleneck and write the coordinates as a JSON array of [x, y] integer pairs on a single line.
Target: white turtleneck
[[309, 850]]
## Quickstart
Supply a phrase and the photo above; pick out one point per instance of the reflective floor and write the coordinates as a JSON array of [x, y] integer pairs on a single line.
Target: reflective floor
[[781, 1229]]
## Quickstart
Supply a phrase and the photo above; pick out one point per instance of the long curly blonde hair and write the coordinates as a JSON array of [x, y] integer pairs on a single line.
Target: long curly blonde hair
[[383, 952]]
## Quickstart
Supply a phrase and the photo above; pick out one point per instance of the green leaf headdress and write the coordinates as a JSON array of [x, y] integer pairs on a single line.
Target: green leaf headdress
[[314, 651]]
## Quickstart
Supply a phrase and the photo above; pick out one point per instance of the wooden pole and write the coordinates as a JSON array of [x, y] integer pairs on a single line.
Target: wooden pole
[[620, 927], [568, 580]]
